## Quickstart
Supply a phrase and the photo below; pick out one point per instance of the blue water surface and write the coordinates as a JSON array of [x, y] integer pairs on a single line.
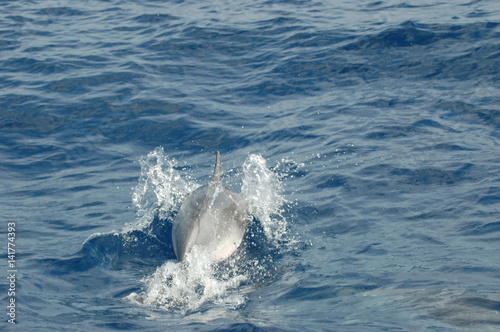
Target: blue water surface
[[382, 118]]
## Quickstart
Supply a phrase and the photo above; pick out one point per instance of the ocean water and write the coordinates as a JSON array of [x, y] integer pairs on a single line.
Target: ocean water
[[363, 134]]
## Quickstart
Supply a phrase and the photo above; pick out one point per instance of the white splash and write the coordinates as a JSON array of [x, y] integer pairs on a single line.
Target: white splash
[[161, 188], [186, 286], [262, 190]]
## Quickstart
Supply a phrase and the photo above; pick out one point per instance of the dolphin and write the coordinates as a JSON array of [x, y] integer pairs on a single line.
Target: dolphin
[[213, 218]]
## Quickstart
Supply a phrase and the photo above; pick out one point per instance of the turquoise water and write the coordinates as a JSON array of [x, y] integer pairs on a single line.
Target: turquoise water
[[365, 137]]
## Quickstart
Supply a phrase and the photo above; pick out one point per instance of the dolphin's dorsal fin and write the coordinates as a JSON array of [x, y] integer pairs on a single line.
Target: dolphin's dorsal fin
[[216, 177]]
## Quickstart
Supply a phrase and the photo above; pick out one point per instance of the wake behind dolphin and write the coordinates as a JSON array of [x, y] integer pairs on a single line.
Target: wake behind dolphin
[[212, 218]]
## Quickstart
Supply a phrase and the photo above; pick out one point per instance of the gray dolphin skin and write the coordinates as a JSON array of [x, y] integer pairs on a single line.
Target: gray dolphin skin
[[213, 218]]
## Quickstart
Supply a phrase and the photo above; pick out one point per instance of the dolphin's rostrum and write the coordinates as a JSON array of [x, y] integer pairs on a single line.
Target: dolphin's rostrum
[[213, 218]]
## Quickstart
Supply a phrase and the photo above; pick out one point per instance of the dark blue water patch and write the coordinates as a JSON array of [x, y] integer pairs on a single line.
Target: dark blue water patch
[[30, 121], [298, 133], [101, 116], [479, 302], [289, 2], [389, 132], [152, 131], [489, 199], [478, 229], [109, 111], [405, 36], [19, 19], [7, 44], [421, 127], [282, 89], [129, 180], [469, 112], [155, 18], [411, 33], [334, 181], [438, 214], [59, 11], [480, 270], [40, 161], [308, 213], [337, 228], [180, 133], [492, 196], [133, 250], [317, 39], [332, 68], [87, 298], [174, 69], [80, 85], [278, 25], [126, 250], [194, 42], [429, 123], [445, 147], [35, 66], [421, 176], [373, 186], [423, 239], [333, 63], [244, 327], [430, 176], [58, 224], [476, 63], [372, 250], [305, 292], [375, 170], [120, 326], [114, 251]]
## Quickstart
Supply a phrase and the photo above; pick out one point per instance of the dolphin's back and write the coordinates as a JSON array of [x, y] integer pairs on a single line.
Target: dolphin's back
[[183, 229], [212, 217]]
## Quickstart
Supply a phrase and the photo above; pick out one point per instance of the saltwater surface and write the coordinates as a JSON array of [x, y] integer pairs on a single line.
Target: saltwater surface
[[363, 134]]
